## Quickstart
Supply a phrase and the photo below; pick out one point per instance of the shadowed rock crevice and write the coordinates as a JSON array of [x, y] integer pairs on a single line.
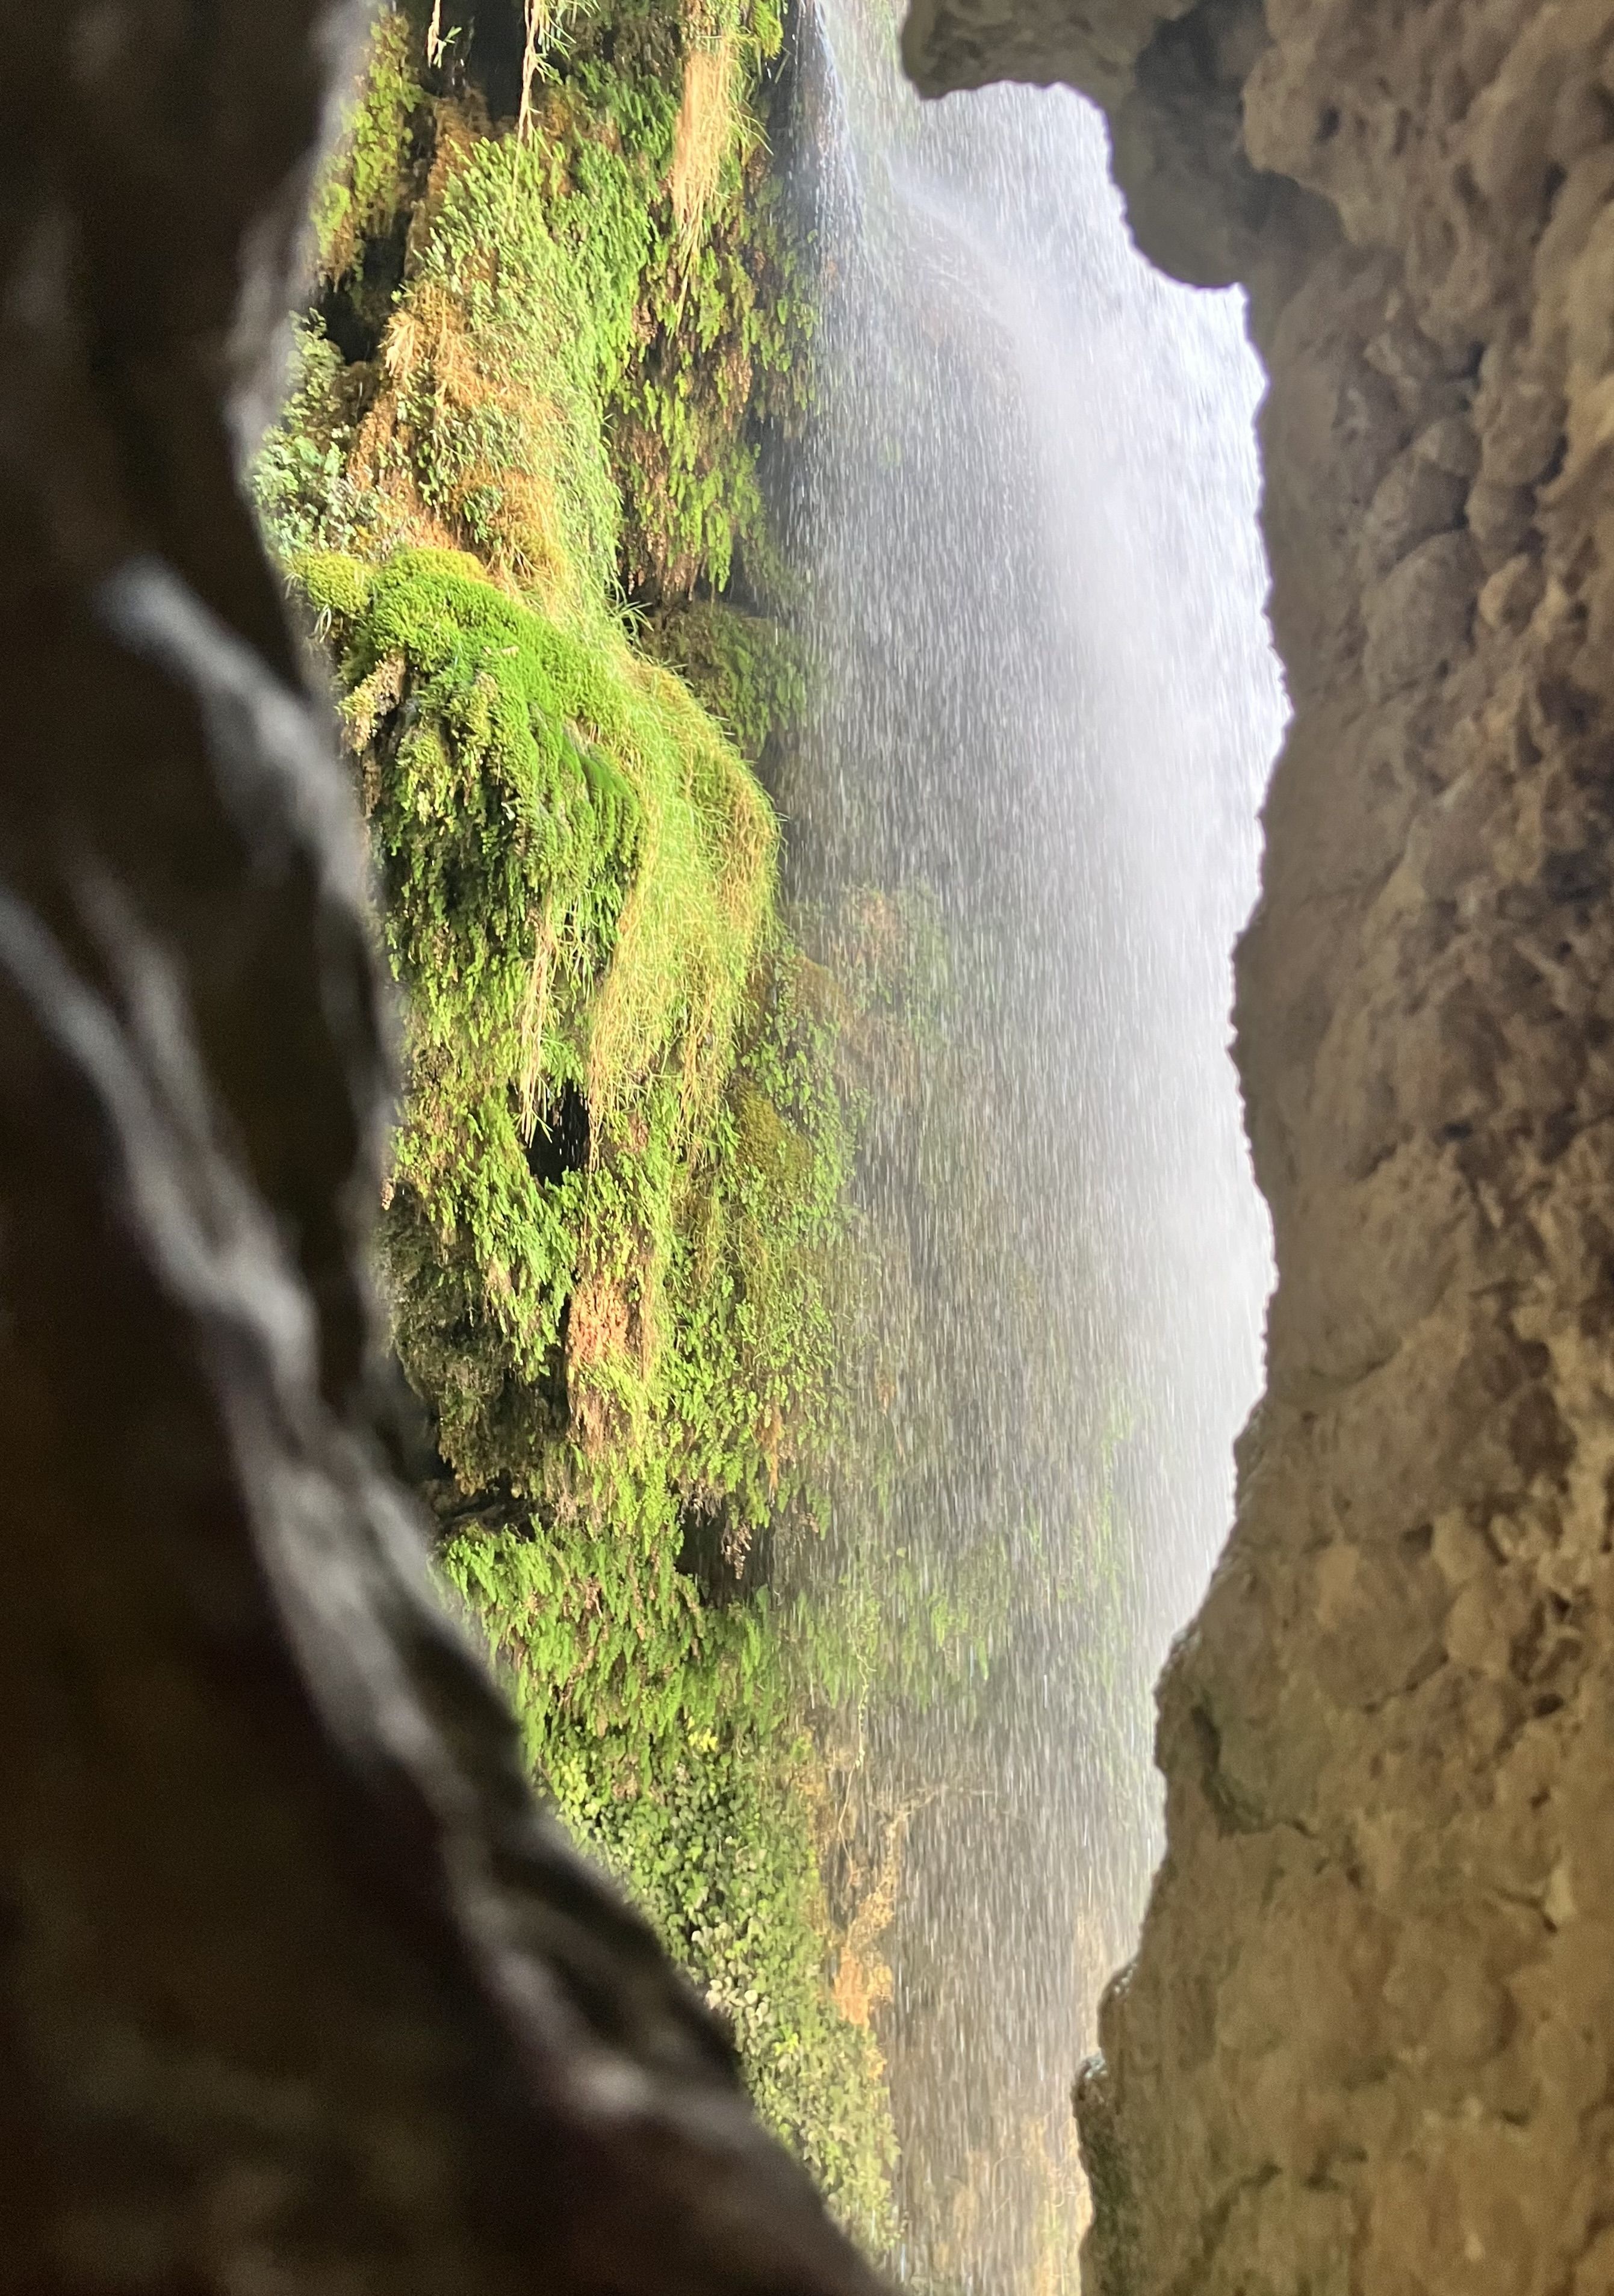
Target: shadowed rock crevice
[[1364, 2043]]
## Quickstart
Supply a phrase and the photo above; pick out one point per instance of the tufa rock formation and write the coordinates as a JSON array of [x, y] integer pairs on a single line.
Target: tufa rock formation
[[1366, 2044], [299, 1989]]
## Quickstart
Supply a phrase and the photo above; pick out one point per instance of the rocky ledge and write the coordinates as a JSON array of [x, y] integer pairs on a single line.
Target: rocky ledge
[[1366, 2041]]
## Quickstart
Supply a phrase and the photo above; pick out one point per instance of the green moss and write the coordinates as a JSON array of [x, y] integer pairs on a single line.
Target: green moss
[[335, 584], [364, 182], [618, 1229], [577, 881], [727, 348], [664, 1730], [743, 667], [504, 345]]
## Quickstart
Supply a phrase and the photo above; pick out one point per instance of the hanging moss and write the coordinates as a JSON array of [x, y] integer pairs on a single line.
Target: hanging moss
[[362, 188], [577, 876], [667, 1732], [743, 667], [557, 317]]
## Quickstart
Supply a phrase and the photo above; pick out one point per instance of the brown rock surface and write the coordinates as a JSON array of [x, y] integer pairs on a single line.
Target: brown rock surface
[[299, 1991], [1368, 2042]]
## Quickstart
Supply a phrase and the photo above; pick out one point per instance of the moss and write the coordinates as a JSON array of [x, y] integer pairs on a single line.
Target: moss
[[577, 877], [743, 667], [718, 349], [729, 346], [335, 584], [364, 182], [665, 1731], [618, 1226]]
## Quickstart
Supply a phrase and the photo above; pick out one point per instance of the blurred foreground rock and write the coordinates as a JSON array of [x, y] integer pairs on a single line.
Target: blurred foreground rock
[[300, 1992], [1367, 2043]]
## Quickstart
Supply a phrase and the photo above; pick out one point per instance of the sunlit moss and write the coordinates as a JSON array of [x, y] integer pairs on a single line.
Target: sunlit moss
[[617, 1233]]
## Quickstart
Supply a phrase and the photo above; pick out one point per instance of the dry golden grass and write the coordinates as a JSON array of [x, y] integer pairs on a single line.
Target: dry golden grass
[[432, 379], [706, 126], [535, 1013], [538, 18]]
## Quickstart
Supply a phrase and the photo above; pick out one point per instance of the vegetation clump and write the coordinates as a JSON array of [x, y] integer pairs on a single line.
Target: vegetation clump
[[517, 489]]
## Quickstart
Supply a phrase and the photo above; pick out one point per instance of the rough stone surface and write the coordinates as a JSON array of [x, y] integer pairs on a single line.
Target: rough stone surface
[[300, 1994], [1367, 2043]]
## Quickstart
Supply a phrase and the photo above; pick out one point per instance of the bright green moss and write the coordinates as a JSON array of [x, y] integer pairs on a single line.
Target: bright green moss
[[617, 1236], [577, 880], [364, 182]]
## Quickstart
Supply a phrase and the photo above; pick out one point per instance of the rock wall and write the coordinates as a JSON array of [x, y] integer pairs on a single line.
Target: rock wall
[[1366, 2043], [299, 1991]]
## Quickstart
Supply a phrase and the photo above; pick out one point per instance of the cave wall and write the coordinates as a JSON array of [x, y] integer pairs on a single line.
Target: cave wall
[[299, 1989], [1366, 2042]]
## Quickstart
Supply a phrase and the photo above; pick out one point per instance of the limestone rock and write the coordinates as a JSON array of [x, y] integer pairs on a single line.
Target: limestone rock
[[1365, 2044]]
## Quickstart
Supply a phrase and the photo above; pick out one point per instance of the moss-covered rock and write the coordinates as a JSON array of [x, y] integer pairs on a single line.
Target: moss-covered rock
[[558, 310]]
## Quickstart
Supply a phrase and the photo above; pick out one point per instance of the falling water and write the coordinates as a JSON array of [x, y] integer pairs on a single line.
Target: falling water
[[1047, 707]]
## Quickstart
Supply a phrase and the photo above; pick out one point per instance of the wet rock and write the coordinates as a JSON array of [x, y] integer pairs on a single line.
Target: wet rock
[[1364, 2044]]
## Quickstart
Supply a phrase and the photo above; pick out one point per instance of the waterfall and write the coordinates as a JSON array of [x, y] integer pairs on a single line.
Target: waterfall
[[1047, 706]]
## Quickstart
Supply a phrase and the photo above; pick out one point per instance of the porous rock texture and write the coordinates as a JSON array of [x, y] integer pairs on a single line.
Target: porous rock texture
[[1367, 2042], [299, 1991]]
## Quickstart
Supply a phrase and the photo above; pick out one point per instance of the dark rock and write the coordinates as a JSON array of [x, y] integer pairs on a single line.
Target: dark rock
[[300, 1989]]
